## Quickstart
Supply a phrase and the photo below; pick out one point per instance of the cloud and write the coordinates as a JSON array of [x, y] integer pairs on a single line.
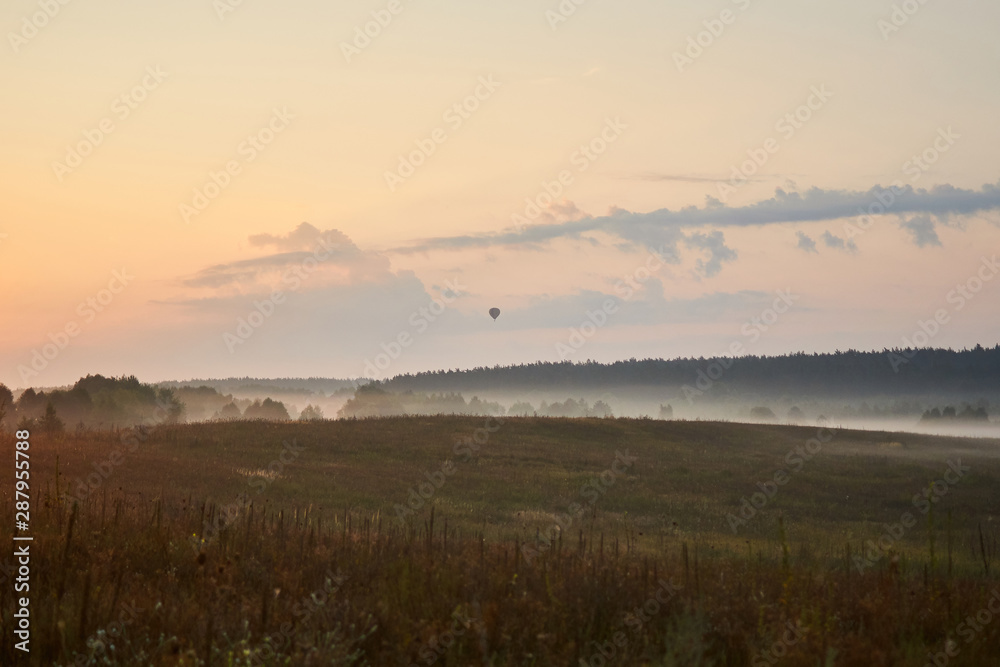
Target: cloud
[[922, 230], [838, 243], [337, 301], [303, 237], [564, 211], [806, 243], [307, 253], [681, 178], [648, 306], [663, 226], [310, 329], [718, 252]]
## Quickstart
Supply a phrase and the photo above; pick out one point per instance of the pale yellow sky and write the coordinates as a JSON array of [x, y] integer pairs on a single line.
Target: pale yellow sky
[[163, 99]]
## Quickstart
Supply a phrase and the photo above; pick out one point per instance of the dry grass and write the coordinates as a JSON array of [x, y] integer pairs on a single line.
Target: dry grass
[[176, 559]]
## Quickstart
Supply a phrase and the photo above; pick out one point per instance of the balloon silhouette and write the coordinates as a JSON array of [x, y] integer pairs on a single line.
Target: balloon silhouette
[[494, 313]]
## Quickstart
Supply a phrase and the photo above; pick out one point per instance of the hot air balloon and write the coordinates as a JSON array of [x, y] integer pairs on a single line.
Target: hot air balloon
[[494, 313]]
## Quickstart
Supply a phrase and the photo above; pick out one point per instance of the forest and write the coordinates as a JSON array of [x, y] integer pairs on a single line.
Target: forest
[[893, 371], [104, 403]]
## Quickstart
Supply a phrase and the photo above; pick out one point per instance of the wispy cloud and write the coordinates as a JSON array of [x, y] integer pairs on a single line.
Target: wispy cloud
[[664, 226], [303, 237], [649, 307], [806, 243], [837, 243], [329, 254], [718, 252], [681, 178], [922, 229]]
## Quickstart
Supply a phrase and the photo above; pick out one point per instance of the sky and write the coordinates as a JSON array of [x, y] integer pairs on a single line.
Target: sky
[[215, 188]]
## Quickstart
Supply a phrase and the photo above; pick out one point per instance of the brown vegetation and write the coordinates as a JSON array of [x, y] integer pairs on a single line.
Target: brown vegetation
[[174, 558]]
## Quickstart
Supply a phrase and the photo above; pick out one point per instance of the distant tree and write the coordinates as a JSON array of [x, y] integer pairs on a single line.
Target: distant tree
[[96, 400], [170, 409], [762, 413], [973, 414], [601, 409], [795, 415], [371, 400], [932, 414], [267, 409], [521, 409], [228, 412], [666, 411], [51, 423], [451, 403], [570, 408], [948, 413], [202, 402], [311, 413], [883, 372], [30, 405], [6, 404], [477, 406]]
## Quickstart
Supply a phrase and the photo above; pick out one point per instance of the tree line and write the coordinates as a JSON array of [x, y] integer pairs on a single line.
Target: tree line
[[896, 371], [98, 402]]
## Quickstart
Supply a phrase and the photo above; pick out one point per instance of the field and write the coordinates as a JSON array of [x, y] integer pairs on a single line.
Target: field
[[526, 541]]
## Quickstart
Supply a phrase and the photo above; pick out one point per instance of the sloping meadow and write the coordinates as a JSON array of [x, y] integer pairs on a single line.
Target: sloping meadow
[[469, 540]]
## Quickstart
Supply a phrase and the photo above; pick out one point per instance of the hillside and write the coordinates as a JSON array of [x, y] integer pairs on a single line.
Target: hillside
[[464, 540]]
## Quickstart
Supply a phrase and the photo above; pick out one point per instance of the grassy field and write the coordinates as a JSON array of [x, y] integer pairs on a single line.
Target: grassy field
[[526, 541]]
